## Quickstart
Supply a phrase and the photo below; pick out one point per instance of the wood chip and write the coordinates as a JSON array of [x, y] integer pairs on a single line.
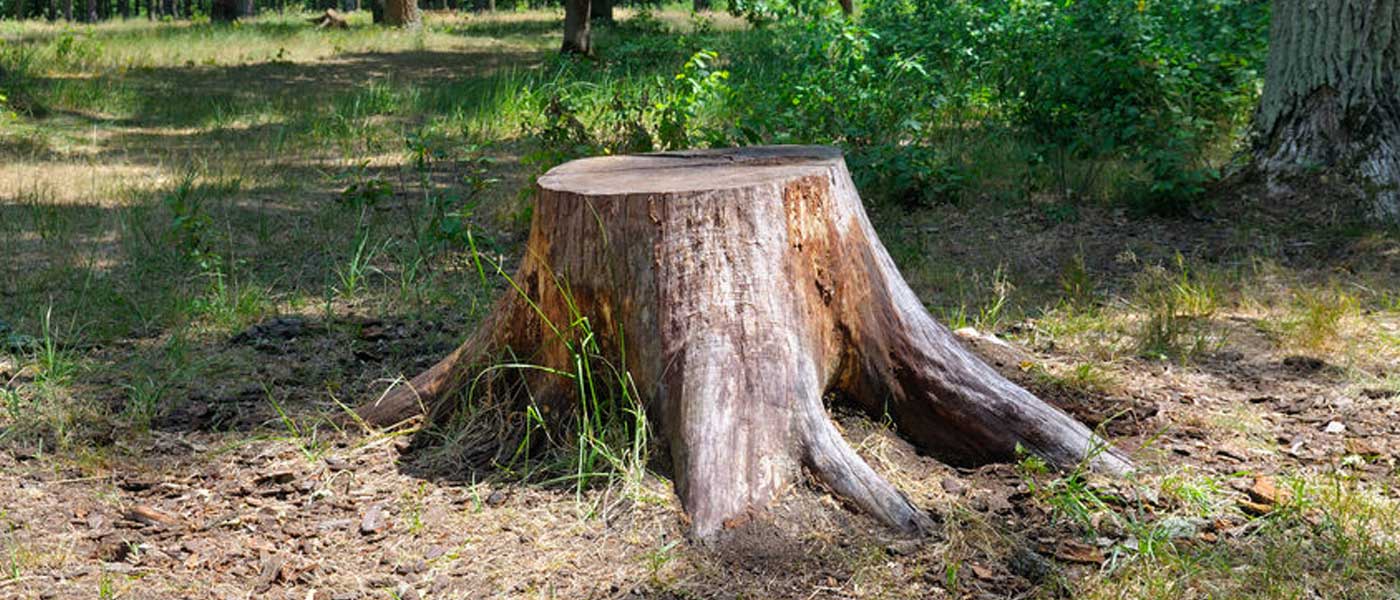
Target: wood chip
[[373, 520], [149, 515]]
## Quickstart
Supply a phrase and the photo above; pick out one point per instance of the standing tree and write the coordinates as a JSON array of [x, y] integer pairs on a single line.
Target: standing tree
[[741, 288], [1332, 97], [402, 13], [225, 11], [601, 10], [577, 38]]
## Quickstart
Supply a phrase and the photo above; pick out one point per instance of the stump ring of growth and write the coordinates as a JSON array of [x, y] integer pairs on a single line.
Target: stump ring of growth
[[750, 283]]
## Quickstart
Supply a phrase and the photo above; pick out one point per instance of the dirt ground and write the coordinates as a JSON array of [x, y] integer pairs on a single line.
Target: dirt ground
[[218, 503]]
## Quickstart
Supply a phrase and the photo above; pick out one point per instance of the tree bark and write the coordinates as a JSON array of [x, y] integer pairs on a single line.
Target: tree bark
[[402, 13], [748, 285], [225, 11], [601, 10], [577, 37], [1332, 96], [848, 7]]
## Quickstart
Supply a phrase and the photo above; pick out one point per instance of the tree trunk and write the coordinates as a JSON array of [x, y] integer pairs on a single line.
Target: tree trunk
[[700, 5], [224, 11], [577, 39], [748, 285], [601, 10], [1332, 96], [402, 13], [848, 7], [68, 10]]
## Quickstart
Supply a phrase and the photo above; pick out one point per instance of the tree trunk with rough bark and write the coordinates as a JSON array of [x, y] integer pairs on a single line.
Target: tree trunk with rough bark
[[1332, 97], [748, 285], [402, 13], [601, 10], [577, 37], [224, 11]]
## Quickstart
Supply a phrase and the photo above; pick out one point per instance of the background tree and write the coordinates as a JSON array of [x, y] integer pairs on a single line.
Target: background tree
[[225, 11], [1332, 97], [601, 10], [577, 37], [402, 13]]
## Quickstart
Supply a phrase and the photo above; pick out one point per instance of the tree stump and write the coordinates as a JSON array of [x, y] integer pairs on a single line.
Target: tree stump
[[749, 285]]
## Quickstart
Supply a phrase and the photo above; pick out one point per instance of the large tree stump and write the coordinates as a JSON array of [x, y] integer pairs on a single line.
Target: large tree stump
[[749, 284]]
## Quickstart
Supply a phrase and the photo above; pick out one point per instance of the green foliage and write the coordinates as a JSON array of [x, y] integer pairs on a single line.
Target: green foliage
[[697, 83], [365, 189], [762, 13], [1091, 80], [1177, 305], [18, 83]]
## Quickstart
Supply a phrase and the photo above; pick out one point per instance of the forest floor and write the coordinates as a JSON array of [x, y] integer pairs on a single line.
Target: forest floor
[[187, 305]]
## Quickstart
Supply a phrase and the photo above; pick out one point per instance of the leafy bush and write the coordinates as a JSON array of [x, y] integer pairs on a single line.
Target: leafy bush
[[1093, 80], [932, 99]]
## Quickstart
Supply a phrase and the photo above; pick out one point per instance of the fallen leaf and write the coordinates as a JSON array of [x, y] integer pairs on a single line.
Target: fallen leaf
[[1080, 553], [1266, 491], [1363, 447], [1255, 508]]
